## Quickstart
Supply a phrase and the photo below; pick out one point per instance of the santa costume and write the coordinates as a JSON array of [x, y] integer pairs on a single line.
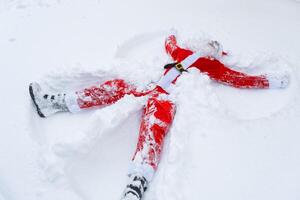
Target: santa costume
[[159, 111]]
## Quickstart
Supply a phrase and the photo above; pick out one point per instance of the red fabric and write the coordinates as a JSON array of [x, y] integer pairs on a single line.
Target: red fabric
[[157, 118], [159, 112], [107, 93], [215, 69]]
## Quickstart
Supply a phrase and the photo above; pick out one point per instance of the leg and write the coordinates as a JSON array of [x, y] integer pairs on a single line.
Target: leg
[[104, 94], [157, 118]]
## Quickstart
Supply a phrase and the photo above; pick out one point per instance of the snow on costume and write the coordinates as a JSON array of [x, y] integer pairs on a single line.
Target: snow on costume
[[159, 111]]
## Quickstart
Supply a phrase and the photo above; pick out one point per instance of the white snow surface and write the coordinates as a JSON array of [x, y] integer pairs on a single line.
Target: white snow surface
[[225, 143]]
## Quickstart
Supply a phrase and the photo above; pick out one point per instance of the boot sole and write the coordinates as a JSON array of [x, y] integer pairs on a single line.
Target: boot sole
[[36, 105]]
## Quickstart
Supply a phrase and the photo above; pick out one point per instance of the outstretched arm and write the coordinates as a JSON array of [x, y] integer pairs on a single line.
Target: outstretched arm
[[221, 73]]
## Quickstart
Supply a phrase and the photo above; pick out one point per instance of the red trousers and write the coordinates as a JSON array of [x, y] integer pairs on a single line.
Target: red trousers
[[159, 112], [157, 117]]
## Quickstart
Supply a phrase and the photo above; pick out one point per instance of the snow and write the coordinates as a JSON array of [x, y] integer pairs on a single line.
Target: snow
[[225, 143]]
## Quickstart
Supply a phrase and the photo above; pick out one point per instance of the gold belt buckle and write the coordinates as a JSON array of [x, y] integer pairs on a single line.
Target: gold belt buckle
[[179, 67]]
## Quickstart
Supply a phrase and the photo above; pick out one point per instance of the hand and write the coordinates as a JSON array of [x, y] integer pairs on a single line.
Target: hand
[[213, 49]]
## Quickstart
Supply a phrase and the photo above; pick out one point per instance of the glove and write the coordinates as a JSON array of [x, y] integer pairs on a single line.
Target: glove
[[212, 49]]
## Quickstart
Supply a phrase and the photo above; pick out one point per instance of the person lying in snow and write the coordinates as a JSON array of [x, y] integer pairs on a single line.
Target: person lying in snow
[[159, 111]]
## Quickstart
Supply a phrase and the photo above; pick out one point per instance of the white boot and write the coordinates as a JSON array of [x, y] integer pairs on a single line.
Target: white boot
[[46, 104], [278, 80], [135, 188]]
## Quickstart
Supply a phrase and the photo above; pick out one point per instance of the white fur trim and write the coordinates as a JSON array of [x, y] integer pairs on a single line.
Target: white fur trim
[[278, 80], [173, 73], [71, 102], [167, 79], [142, 169], [170, 88], [187, 62]]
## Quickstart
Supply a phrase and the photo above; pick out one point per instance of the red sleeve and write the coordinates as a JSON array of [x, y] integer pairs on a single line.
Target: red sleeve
[[215, 69]]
